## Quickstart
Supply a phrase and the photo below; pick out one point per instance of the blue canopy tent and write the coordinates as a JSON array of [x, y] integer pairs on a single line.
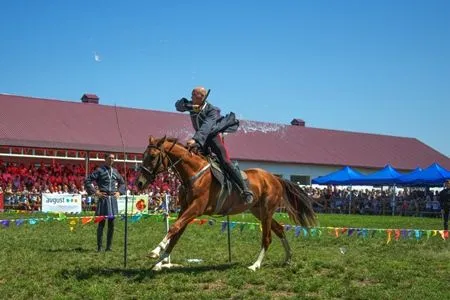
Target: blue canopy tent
[[434, 175], [344, 176], [385, 176], [409, 177]]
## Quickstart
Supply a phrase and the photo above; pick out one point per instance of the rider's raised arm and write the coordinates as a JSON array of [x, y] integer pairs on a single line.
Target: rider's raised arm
[[182, 104]]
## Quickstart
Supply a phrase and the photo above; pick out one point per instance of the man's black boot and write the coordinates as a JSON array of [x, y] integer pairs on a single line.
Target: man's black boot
[[99, 238], [109, 236]]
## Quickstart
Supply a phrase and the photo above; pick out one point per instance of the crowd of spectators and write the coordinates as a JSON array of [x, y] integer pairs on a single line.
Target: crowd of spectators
[[22, 185], [407, 201]]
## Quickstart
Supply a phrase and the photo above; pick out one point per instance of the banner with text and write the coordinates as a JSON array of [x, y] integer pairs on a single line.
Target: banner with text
[[136, 204], [70, 203]]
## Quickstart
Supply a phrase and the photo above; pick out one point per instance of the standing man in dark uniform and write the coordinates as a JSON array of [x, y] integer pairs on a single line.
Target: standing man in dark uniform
[[110, 185], [208, 125], [444, 200]]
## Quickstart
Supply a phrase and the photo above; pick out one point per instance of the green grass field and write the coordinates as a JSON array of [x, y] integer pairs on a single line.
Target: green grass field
[[47, 260]]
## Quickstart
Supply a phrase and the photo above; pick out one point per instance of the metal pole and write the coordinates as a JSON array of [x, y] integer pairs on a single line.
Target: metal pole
[[167, 218], [229, 238], [350, 201], [125, 244], [228, 217], [86, 165], [393, 201]]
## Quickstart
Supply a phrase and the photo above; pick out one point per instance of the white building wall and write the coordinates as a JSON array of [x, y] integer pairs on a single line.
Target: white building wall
[[286, 170]]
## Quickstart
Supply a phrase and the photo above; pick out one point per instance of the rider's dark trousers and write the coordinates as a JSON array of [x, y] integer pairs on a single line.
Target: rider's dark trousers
[[217, 147]]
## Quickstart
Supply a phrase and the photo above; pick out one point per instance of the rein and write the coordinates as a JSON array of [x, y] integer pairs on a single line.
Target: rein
[[172, 165]]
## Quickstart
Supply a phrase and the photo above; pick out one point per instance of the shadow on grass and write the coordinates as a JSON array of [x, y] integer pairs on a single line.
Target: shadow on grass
[[139, 274], [75, 249]]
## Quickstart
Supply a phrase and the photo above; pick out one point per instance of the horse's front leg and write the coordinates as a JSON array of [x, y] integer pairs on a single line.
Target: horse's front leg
[[163, 257], [167, 244], [164, 248], [155, 253]]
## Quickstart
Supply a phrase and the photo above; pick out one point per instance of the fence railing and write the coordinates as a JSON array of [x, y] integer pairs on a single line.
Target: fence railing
[[33, 202]]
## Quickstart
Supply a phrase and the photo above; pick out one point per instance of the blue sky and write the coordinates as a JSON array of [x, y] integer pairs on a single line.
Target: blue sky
[[381, 67]]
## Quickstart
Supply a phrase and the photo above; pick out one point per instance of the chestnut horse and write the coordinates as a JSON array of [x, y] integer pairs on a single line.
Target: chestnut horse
[[199, 192]]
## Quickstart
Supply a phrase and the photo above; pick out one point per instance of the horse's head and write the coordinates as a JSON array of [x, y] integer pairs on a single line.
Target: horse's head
[[155, 161]]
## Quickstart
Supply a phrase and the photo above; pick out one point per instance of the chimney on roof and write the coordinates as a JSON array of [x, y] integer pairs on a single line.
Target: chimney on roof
[[298, 122], [90, 98]]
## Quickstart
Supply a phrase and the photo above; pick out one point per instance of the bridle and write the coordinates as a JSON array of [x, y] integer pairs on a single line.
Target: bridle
[[162, 155]]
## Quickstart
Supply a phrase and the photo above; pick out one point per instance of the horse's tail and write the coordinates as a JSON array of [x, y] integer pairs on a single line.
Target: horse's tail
[[298, 204]]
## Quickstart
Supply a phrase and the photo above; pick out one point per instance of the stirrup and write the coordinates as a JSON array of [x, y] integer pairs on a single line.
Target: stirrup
[[247, 196]]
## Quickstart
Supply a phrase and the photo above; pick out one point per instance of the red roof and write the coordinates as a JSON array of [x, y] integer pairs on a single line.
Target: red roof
[[33, 122]]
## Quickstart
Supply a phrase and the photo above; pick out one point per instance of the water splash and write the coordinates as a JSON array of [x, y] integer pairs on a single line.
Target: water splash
[[244, 128], [253, 126], [179, 133]]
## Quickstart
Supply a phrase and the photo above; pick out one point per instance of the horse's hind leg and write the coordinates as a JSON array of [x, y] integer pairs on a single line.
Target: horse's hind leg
[[279, 231], [266, 220]]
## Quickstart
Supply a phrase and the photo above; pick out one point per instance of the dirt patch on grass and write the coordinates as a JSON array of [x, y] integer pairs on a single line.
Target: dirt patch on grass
[[325, 272], [364, 282], [216, 285], [249, 286], [281, 294]]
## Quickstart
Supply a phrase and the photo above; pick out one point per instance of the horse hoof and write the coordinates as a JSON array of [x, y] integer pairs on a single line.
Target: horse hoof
[[253, 268], [157, 267], [152, 255], [287, 263]]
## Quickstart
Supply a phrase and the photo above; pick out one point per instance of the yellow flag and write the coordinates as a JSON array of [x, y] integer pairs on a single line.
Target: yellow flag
[[336, 232], [72, 224], [389, 233]]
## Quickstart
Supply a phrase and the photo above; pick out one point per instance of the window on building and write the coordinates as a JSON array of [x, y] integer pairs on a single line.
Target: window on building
[[301, 179]]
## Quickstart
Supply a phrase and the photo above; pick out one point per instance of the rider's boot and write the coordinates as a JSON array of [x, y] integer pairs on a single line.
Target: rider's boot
[[246, 193]]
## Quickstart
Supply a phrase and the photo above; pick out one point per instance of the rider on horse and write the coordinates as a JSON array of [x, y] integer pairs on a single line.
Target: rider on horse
[[208, 125]]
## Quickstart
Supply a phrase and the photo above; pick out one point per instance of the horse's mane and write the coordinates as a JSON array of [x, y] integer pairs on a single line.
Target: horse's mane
[[175, 140]]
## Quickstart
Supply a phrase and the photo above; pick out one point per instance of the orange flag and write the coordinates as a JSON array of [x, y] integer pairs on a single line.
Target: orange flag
[[85, 220], [444, 234]]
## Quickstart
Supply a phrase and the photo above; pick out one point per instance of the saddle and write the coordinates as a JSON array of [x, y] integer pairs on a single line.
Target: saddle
[[226, 184]]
